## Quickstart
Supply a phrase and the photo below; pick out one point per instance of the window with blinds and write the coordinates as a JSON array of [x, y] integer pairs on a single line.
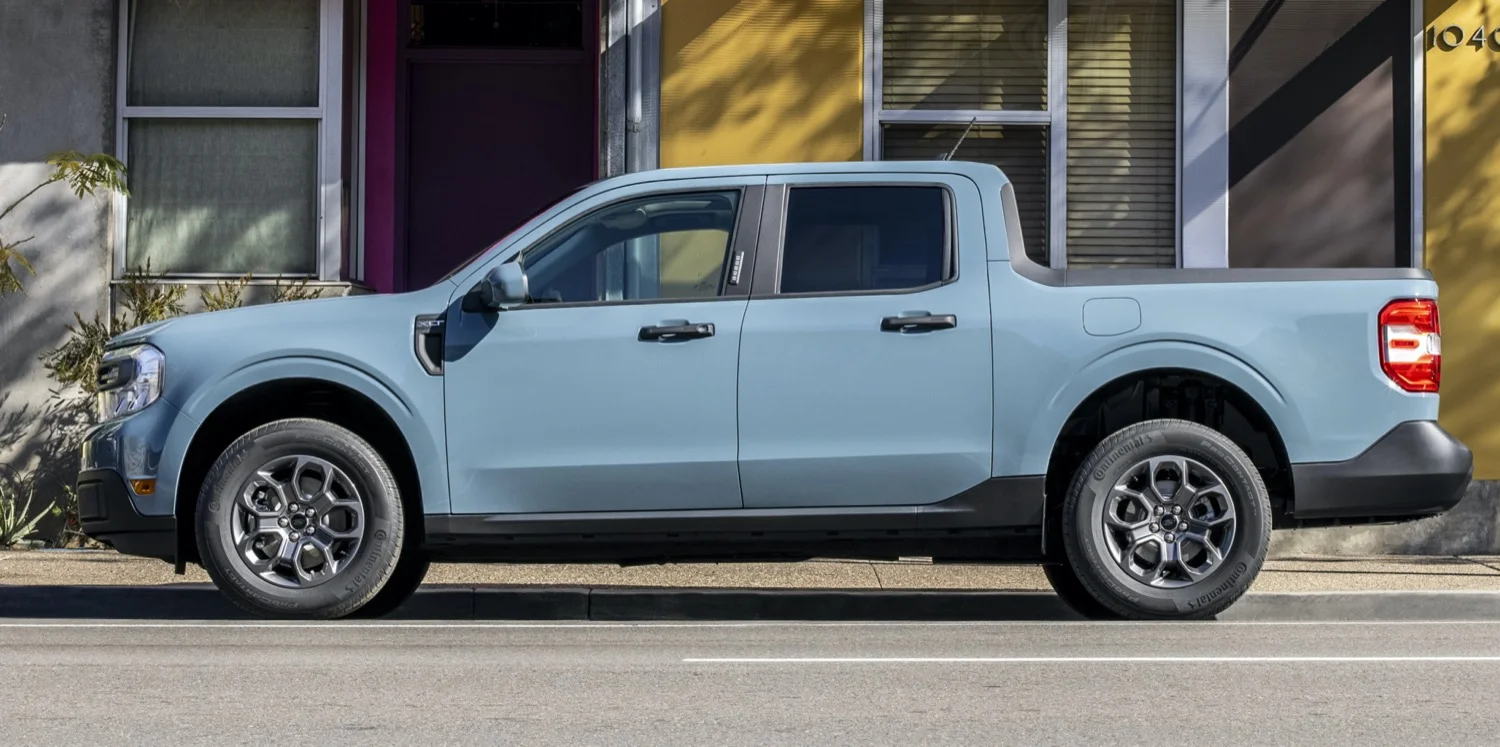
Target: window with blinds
[[1019, 151], [944, 63], [948, 59], [970, 54], [1122, 133]]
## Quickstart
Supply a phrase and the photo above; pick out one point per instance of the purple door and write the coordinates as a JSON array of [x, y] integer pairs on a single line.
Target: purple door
[[499, 121]]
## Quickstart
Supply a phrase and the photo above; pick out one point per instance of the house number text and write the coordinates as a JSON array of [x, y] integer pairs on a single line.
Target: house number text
[[1452, 37]]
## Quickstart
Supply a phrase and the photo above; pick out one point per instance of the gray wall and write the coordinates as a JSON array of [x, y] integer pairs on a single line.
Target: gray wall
[[1471, 528], [57, 62]]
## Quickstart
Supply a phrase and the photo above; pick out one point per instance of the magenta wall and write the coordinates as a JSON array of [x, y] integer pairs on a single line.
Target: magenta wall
[[380, 146]]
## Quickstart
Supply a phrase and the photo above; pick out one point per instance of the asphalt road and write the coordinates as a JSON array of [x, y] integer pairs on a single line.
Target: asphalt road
[[750, 684]]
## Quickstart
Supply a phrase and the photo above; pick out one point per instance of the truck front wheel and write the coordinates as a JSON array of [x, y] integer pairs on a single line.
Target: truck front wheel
[[300, 519], [1166, 519]]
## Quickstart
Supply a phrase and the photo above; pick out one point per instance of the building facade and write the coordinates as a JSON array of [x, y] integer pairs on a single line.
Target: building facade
[[372, 145]]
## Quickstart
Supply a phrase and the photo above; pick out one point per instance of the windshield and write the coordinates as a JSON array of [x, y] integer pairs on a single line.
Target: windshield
[[519, 227]]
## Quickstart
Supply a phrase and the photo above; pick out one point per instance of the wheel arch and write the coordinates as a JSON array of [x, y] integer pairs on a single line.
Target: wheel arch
[[329, 392], [1243, 408]]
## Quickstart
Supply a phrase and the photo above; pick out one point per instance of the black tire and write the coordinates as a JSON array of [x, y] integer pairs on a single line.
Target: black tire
[[1073, 593], [367, 567], [410, 571], [1088, 548]]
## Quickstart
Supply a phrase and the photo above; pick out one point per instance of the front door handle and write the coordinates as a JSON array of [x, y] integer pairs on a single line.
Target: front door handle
[[677, 331], [918, 322]]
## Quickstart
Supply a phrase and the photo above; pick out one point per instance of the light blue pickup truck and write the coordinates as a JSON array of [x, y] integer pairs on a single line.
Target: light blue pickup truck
[[776, 363]]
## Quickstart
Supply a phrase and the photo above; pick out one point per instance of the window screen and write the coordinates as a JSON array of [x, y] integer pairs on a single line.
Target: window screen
[[237, 190]]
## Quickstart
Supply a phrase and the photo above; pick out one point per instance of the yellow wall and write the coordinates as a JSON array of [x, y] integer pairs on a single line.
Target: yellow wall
[[1462, 221], [761, 81]]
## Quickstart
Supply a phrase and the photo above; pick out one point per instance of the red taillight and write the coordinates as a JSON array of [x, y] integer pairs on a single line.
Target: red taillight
[[1411, 344]]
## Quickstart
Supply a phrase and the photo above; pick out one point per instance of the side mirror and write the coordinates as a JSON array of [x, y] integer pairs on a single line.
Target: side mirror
[[504, 287]]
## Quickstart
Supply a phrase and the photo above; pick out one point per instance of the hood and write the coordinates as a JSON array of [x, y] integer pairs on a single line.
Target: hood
[[275, 319]]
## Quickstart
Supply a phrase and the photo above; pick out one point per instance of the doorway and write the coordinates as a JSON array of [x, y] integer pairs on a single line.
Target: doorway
[[497, 117]]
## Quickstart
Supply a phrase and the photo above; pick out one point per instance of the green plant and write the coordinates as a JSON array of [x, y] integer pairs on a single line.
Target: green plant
[[85, 175], [144, 300], [295, 290], [70, 534], [226, 294], [16, 519]]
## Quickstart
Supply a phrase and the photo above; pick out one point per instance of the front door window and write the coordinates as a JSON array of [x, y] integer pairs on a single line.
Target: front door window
[[665, 247]]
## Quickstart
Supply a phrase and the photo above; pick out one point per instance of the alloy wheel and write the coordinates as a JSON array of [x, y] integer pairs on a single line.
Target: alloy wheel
[[1169, 522], [298, 521]]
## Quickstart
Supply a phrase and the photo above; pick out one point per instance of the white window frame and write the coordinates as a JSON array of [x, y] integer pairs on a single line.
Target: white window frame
[[1202, 65], [328, 113], [1418, 132]]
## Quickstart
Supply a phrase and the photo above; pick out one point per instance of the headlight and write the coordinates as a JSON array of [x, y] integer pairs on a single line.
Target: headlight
[[129, 379]]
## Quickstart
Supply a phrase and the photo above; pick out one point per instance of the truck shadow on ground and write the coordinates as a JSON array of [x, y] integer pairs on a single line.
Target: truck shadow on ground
[[600, 604]]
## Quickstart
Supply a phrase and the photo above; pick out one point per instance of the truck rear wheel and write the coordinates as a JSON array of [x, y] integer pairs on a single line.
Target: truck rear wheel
[[1070, 589], [300, 519], [1166, 519]]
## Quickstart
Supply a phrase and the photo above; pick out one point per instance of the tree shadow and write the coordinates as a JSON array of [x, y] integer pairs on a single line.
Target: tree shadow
[[1462, 222], [761, 81], [1320, 134]]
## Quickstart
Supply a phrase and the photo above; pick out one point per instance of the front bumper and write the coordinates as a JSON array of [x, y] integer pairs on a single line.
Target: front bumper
[[107, 514], [130, 448], [1415, 470]]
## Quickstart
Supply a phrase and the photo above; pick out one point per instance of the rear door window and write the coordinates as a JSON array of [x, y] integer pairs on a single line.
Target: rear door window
[[866, 238]]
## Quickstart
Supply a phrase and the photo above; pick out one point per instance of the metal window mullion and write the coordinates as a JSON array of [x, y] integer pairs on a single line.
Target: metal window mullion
[[1205, 134], [357, 191], [643, 107], [1418, 133], [1177, 150], [122, 139], [874, 78], [330, 161], [222, 112], [1057, 144], [964, 116], [209, 277]]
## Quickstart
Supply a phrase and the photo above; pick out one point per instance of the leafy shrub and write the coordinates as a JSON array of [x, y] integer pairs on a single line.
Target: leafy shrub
[[16, 519], [144, 300], [226, 294], [85, 175], [296, 290]]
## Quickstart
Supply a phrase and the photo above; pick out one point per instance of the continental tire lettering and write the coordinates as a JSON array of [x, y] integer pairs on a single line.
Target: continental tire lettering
[[1203, 601], [1120, 452]]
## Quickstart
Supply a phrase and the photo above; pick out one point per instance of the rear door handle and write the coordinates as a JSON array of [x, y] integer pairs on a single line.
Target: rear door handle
[[917, 322], [677, 331]]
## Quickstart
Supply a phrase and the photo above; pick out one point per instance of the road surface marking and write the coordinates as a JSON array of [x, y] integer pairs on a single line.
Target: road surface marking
[[588, 625], [1096, 660]]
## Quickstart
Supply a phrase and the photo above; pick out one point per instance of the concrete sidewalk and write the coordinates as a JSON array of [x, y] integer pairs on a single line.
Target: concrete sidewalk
[[104, 585], [1304, 574]]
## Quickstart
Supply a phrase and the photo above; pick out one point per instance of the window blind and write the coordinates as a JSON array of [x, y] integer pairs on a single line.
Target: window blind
[[1122, 133], [973, 54], [1019, 151]]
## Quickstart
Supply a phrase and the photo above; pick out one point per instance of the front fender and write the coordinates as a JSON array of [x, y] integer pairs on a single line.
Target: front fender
[[423, 435], [1156, 355]]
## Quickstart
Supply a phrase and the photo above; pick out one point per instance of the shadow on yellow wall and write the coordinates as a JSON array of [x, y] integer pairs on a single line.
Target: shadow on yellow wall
[[1462, 221], [761, 81]]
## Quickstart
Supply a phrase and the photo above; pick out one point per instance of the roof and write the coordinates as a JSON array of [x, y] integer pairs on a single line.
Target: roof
[[975, 170]]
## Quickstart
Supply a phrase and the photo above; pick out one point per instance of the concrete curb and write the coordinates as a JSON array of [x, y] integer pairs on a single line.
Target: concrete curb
[[203, 602]]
